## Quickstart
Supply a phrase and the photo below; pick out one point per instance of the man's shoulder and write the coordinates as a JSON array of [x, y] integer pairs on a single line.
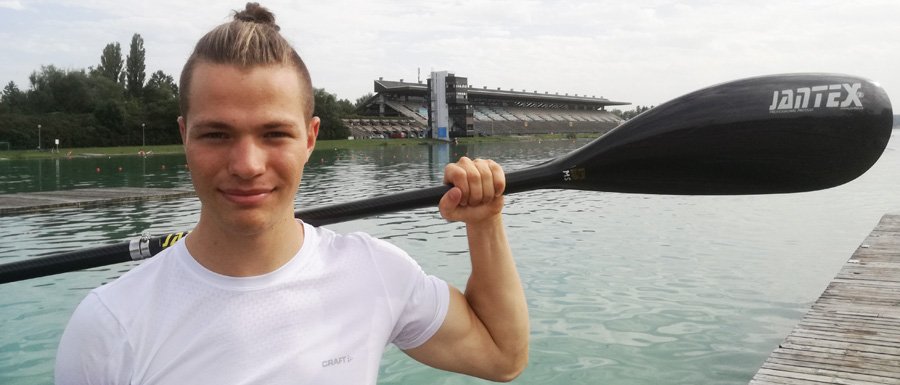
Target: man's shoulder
[[359, 249], [356, 243], [141, 277]]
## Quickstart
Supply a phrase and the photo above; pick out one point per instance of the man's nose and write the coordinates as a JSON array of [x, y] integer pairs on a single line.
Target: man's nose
[[247, 159]]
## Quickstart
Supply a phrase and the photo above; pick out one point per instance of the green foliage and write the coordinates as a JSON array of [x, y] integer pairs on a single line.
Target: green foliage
[[160, 87], [360, 101], [90, 108], [135, 69], [330, 110], [72, 130], [110, 114], [111, 62], [102, 88], [630, 114], [12, 99], [109, 105], [160, 110]]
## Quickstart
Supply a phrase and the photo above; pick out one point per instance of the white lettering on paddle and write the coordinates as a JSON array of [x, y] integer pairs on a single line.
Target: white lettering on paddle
[[844, 96]]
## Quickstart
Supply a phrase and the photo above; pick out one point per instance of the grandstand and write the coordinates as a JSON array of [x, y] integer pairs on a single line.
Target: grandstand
[[401, 109]]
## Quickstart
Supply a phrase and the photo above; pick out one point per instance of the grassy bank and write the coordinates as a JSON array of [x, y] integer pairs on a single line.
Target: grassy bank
[[336, 144]]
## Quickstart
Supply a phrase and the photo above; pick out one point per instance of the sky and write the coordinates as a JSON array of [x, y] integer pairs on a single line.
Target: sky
[[642, 52]]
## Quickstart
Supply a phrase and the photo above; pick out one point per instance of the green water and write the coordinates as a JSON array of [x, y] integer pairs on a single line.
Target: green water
[[622, 288]]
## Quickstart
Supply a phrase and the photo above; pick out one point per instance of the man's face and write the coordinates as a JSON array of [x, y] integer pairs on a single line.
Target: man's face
[[246, 140]]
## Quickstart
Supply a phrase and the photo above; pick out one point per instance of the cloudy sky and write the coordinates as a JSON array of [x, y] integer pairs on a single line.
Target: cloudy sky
[[643, 52]]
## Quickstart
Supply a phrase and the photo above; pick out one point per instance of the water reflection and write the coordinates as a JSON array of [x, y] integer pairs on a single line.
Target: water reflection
[[100, 171], [622, 288]]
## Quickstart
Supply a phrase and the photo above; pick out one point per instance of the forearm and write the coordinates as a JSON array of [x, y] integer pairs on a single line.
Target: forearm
[[494, 290]]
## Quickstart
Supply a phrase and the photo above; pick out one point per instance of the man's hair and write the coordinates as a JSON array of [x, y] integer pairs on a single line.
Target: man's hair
[[251, 39]]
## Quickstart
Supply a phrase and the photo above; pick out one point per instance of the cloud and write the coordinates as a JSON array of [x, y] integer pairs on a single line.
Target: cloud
[[12, 4], [645, 52]]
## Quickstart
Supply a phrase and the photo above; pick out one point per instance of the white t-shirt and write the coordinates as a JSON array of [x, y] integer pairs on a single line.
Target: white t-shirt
[[325, 317]]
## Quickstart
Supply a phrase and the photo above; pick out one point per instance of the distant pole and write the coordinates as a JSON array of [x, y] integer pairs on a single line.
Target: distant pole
[[143, 142], [39, 137]]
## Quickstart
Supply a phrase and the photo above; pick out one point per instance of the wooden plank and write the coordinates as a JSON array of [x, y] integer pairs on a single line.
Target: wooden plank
[[856, 338], [880, 311], [820, 374], [763, 379], [816, 315], [843, 351], [835, 361], [849, 328], [822, 378], [846, 345]]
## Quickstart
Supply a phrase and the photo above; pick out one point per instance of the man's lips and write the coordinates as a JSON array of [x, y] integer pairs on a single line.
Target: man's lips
[[246, 196]]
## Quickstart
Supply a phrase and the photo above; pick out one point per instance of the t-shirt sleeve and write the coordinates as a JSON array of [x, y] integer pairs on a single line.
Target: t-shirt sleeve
[[418, 301], [424, 313], [94, 348]]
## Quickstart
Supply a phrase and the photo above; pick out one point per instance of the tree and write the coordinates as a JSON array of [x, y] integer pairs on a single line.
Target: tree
[[328, 109], [111, 116], [134, 70], [111, 62], [160, 109], [72, 92], [41, 98], [360, 101], [12, 97], [630, 114], [103, 88], [160, 86]]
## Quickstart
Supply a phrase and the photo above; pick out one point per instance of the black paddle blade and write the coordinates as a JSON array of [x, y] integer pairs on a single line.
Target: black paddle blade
[[770, 134]]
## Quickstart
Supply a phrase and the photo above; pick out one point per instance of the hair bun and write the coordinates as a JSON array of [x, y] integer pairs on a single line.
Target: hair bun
[[255, 13]]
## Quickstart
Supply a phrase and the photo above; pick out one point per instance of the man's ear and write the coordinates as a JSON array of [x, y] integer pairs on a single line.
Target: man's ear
[[182, 128], [312, 132]]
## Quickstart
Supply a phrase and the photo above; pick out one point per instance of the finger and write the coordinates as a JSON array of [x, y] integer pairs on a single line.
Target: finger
[[473, 178], [487, 180], [449, 202], [499, 178], [449, 170], [455, 175]]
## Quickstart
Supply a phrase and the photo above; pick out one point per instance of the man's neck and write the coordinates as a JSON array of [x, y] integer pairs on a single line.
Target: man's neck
[[241, 254]]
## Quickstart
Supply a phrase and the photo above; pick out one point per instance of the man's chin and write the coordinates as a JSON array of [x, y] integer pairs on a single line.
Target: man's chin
[[248, 223]]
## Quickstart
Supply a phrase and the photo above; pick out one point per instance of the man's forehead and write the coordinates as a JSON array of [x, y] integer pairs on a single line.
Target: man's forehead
[[277, 78]]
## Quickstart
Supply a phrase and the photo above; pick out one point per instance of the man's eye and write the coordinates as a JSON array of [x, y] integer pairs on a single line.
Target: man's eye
[[213, 135]]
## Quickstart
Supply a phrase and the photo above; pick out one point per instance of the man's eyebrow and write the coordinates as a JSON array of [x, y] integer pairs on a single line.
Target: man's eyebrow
[[217, 124], [278, 123]]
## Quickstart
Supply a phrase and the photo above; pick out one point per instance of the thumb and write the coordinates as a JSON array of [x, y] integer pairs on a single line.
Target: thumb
[[449, 202]]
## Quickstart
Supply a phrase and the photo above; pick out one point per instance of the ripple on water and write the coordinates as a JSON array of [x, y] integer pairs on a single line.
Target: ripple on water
[[622, 288]]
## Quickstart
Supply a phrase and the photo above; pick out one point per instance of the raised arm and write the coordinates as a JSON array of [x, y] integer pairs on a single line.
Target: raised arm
[[485, 333]]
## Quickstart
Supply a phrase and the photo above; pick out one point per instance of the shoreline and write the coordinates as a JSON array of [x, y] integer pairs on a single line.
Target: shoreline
[[89, 152]]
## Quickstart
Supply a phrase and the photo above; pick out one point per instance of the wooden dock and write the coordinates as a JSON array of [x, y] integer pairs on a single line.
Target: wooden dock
[[21, 203], [852, 333]]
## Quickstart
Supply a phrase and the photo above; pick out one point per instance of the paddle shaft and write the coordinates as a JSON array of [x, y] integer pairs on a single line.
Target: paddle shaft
[[770, 134], [531, 178]]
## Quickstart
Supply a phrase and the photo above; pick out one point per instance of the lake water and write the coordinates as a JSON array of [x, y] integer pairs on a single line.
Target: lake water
[[622, 288]]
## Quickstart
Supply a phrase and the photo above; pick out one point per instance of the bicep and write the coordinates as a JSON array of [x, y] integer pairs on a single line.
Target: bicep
[[462, 344]]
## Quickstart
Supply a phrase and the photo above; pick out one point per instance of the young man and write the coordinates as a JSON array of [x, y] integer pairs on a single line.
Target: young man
[[253, 295]]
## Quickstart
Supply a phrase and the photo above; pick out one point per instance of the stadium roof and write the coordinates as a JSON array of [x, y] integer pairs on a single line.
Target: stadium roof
[[420, 89]]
